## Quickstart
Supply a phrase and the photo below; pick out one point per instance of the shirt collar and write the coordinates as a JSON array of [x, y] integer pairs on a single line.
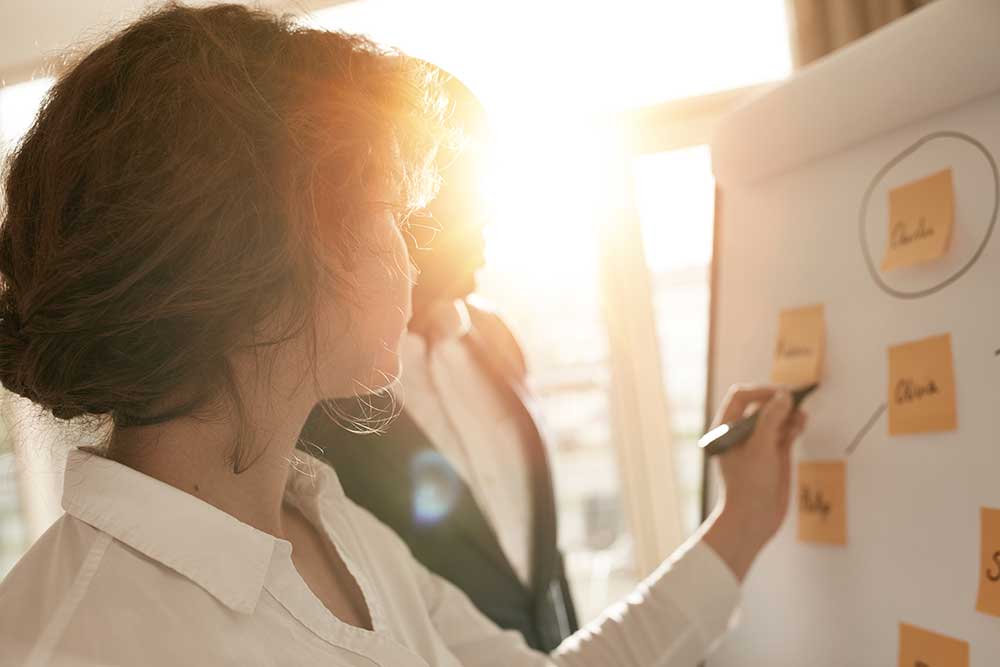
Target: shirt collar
[[446, 321], [224, 556]]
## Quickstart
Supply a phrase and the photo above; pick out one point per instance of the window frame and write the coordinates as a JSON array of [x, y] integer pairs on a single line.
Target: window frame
[[639, 406]]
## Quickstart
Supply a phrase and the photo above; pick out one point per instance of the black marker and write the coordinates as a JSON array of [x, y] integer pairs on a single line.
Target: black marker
[[721, 438]]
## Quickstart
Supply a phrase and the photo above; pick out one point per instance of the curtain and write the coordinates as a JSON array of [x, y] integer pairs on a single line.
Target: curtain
[[819, 27]]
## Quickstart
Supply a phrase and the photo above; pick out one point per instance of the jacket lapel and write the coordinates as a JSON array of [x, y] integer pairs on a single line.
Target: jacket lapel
[[545, 551], [403, 442]]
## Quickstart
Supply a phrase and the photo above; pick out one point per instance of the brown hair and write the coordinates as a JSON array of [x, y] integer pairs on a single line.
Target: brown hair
[[172, 193]]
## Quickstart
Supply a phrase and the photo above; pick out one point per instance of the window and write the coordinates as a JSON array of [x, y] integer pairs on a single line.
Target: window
[[541, 253], [675, 196]]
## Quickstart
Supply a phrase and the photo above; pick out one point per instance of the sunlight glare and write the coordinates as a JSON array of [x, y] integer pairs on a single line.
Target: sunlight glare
[[548, 192], [546, 71]]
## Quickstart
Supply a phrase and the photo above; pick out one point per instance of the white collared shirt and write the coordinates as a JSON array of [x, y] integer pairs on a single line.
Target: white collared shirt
[[137, 572], [458, 406]]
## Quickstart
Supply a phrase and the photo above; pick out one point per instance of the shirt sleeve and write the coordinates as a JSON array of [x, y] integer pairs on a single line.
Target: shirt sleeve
[[672, 619]]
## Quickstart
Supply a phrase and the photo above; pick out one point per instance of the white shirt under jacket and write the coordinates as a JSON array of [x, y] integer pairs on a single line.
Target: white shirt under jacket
[[452, 399], [137, 572]]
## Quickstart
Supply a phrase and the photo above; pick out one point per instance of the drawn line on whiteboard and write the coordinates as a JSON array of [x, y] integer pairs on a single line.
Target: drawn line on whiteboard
[[864, 429]]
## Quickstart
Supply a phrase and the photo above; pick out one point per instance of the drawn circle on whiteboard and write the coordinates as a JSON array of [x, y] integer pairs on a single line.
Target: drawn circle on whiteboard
[[975, 217]]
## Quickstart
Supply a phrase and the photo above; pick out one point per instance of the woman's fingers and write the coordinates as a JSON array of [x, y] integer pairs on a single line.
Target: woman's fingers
[[773, 418], [741, 397], [797, 423], [793, 428]]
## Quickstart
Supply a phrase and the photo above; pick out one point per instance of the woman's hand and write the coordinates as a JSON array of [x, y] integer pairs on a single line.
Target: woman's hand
[[757, 476]]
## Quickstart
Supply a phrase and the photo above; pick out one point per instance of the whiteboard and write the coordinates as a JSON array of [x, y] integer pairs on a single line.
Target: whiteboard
[[804, 173]]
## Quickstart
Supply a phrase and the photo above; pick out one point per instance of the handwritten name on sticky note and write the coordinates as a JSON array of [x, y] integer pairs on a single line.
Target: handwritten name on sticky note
[[921, 216], [922, 648], [988, 601], [922, 387], [822, 498], [798, 354]]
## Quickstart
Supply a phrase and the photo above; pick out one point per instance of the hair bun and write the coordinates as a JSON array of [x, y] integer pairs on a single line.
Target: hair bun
[[13, 347], [16, 372]]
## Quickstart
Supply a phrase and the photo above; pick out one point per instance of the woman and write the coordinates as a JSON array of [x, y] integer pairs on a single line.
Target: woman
[[202, 237]]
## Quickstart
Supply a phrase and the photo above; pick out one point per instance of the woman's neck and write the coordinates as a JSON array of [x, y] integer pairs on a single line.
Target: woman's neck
[[195, 455]]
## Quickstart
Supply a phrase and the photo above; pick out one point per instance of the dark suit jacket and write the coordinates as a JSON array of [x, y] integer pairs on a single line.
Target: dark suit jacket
[[399, 477]]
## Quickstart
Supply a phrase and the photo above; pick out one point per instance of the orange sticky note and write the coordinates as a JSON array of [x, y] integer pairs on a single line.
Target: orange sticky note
[[798, 354], [921, 215], [922, 387], [922, 648], [822, 494], [989, 569]]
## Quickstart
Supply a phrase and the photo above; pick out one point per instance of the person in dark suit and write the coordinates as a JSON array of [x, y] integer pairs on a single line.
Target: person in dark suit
[[462, 474]]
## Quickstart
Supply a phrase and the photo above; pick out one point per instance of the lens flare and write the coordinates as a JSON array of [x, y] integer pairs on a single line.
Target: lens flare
[[435, 488]]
